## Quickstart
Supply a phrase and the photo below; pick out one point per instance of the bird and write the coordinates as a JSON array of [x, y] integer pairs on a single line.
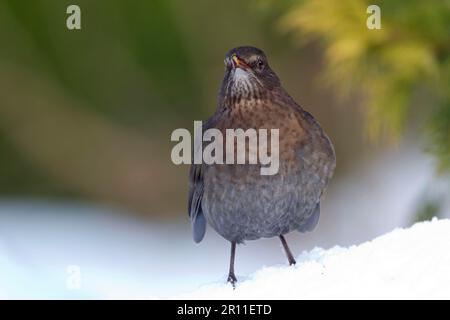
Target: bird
[[237, 201]]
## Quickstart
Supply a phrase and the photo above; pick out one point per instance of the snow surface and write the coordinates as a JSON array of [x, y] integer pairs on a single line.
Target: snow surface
[[403, 264], [120, 258]]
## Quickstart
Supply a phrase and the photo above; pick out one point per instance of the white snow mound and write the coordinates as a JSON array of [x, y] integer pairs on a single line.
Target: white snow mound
[[403, 264]]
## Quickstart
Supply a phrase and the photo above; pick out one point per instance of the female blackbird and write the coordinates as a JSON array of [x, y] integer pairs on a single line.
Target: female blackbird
[[235, 199]]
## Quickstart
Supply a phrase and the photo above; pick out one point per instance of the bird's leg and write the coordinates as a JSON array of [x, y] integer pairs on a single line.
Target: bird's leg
[[287, 251], [231, 276]]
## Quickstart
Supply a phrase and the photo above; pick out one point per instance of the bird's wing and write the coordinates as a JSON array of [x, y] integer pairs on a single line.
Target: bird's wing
[[195, 202], [317, 161], [312, 221], [196, 194]]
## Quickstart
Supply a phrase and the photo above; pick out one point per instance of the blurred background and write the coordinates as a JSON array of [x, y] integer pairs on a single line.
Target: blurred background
[[86, 115]]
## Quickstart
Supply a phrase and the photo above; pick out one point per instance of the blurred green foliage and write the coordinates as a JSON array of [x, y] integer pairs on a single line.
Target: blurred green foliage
[[409, 54], [89, 113], [119, 43], [129, 64], [427, 210]]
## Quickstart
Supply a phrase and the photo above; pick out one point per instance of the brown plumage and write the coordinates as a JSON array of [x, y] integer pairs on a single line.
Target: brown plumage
[[236, 200]]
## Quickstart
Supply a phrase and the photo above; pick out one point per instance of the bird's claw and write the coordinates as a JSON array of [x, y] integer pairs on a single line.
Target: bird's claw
[[232, 279]]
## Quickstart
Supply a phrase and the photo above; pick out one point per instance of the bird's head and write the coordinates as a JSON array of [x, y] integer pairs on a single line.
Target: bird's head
[[247, 75]]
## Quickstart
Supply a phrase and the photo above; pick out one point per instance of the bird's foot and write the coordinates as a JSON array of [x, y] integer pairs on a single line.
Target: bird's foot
[[292, 261], [232, 279]]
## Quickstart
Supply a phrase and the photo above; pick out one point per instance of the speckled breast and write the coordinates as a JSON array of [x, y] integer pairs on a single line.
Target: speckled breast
[[241, 204]]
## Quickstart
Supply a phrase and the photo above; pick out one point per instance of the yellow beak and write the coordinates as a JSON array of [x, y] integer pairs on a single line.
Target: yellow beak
[[238, 62]]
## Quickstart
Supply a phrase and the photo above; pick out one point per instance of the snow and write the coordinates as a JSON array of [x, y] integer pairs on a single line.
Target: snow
[[122, 257], [403, 264]]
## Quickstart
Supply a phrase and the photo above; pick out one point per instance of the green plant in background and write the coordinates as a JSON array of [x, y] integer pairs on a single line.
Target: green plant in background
[[400, 69], [427, 209], [81, 111], [86, 114]]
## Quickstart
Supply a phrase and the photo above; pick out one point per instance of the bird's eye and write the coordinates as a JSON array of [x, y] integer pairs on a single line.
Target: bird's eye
[[260, 63]]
